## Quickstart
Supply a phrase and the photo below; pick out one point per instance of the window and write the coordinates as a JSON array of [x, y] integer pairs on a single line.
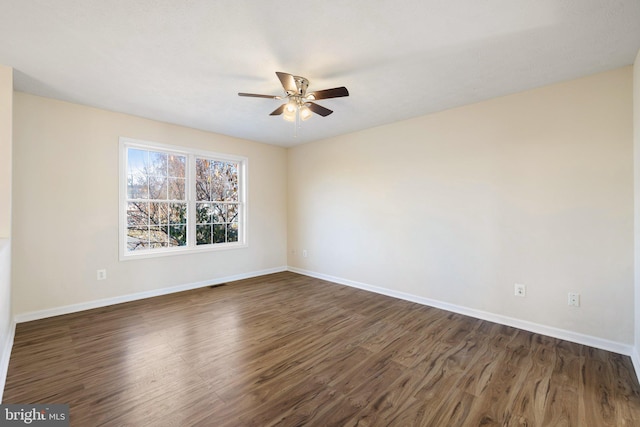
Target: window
[[156, 199], [175, 200], [216, 201]]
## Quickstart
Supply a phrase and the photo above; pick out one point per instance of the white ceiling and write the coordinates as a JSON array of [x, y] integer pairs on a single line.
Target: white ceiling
[[185, 61]]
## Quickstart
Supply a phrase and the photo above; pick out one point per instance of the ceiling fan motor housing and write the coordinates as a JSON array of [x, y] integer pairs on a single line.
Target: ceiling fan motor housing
[[301, 84]]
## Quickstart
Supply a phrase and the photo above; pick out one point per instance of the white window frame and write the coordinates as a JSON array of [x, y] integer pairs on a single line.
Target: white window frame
[[191, 155]]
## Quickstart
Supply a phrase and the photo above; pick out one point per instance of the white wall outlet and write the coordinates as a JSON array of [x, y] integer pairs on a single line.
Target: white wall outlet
[[520, 290], [101, 274], [574, 299], [304, 253]]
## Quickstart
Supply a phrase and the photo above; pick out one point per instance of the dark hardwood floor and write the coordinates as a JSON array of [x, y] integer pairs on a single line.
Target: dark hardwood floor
[[290, 350]]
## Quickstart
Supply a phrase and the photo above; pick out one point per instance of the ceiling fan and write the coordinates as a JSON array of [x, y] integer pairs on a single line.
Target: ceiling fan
[[299, 102]]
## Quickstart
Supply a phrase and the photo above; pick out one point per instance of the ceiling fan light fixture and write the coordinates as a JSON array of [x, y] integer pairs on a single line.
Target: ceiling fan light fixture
[[305, 113], [291, 107], [289, 115]]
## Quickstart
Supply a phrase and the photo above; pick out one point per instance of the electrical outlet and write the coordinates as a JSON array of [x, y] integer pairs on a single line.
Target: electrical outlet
[[520, 290], [304, 253], [574, 299], [101, 274]]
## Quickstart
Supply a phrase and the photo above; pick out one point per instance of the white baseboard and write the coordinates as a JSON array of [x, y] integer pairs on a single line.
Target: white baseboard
[[563, 334], [5, 356], [635, 358], [73, 308]]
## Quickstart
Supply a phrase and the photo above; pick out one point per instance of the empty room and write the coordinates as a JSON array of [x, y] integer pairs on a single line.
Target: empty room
[[260, 213]]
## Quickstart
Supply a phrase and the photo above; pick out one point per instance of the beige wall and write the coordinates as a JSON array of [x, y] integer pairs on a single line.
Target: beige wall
[[533, 188], [65, 190]]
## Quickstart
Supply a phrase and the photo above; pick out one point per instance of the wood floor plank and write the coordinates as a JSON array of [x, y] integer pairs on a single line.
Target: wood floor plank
[[290, 350]]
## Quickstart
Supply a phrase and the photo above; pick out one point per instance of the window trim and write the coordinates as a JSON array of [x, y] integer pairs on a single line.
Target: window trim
[[191, 154]]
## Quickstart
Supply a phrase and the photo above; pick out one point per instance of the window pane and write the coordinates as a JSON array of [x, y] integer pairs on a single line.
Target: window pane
[[157, 164], [232, 212], [219, 233], [177, 235], [178, 213], [217, 182], [203, 190], [232, 232], [203, 234], [219, 213], [157, 188], [230, 193], [158, 213], [137, 238], [137, 214], [137, 186], [137, 161], [203, 213], [176, 188], [176, 166], [202, 169], [158, 236], [216, 168]]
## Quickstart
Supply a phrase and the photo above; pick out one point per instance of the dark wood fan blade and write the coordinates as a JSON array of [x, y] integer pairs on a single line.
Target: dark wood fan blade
[[255, 95], [278, 110], [336, 92], [319, 109], [288, 82]]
